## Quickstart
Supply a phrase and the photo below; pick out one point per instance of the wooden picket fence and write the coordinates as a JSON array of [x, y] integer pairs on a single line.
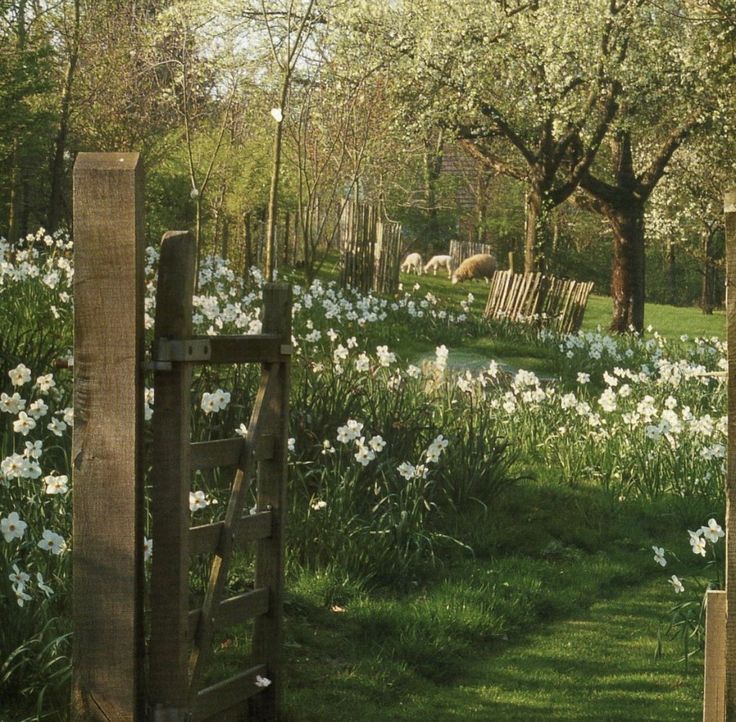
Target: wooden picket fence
[[534, 297], [370, 249], [110, 656], [460, 250]]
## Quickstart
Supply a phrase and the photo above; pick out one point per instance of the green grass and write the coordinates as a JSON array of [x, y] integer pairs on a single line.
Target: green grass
[[555, 618], [598, 666], [669, 321]]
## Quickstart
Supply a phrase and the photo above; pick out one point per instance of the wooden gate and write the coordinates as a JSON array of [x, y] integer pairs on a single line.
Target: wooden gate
[[181, 638], [115, 677]]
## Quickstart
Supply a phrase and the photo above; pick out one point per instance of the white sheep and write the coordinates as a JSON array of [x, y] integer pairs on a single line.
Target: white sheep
[[413, 262], [439, 262], [482, 265]]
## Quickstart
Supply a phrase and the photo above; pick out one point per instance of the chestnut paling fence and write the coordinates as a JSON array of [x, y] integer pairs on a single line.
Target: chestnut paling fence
[[460, 250], [116, 675], [370, 249], [538, 298]]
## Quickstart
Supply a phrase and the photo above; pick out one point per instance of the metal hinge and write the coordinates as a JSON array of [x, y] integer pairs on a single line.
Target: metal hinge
[[193, 349]]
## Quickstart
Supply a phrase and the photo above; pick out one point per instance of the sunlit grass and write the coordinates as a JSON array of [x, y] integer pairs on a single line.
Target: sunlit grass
[[556, 617]]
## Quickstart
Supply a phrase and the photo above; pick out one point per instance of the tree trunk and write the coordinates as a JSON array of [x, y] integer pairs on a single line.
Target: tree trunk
[[707, 300], [533, 210], [671, 274], [56, 196], [432, 168], [627, 285], [247, 246], [17, 201], [197, 239], [225, 236], [17, 176], [269, 261], [287, 224], [535, 232]]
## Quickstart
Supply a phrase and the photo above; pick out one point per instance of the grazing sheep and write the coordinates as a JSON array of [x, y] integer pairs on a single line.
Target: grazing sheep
[[439, 262], [413, 262], [482, 265]]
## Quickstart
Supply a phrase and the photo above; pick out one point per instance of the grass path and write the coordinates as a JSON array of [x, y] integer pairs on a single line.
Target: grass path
[[599, 666]]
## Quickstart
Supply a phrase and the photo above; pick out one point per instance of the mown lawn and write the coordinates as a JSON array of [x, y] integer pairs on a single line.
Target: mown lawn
[[555, 618]]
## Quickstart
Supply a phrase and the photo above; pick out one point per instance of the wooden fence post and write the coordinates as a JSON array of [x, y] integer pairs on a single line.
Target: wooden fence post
[[170, 640], [271, 494], [107, 567], [714, 697], [730, 213]]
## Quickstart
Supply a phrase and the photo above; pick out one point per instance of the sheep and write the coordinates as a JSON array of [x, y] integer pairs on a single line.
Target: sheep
[[482, 265], [413, 262], [439, 262]]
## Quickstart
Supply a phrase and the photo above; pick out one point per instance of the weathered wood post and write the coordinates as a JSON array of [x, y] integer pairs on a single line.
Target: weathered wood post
[[271, 494], [714, 681], [170, 638], [107, 568]]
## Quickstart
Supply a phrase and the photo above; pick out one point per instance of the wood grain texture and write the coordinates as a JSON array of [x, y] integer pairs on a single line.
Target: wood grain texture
[[234, 610], [107, 563], [714, 684], [730, 206], [205, 539], [170, 639], [272, 483], [212, 702]]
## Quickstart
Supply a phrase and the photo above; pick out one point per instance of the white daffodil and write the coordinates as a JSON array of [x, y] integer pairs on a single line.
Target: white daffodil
[[45, 383], [21, 596], [713, 532], [52, 542], [364, 455], [45, 588], [407, 470], [18, 578], [677, 584], [262, 681], [23, 424], [198, 500], [659, 556], [12, 404], [377, 443], [38, 409], [12, 527], [20, 375], [699, 545], [56, 484]]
